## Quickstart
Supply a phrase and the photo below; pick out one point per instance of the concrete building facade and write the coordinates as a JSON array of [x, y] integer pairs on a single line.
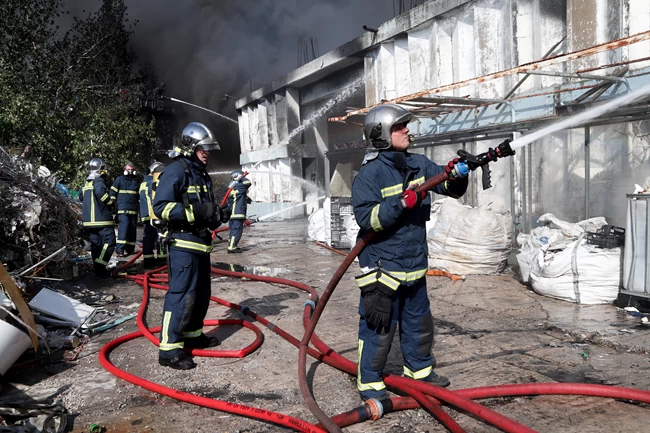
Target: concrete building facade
[[454, 63]]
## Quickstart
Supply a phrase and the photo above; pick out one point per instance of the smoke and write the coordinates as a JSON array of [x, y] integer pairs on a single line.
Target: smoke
[[204, 49]]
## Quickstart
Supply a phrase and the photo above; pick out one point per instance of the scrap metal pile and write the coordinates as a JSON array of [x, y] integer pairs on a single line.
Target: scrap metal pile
[[37, 215]]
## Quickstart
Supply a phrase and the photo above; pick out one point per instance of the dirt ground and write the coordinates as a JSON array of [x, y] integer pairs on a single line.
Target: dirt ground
[[490, 330]]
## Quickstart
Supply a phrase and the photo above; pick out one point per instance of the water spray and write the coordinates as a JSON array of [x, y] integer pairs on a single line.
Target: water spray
[[578, 119], [269, 215], [203, 108]]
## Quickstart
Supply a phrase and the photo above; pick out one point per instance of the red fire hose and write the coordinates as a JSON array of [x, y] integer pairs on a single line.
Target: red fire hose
[[421, 394]]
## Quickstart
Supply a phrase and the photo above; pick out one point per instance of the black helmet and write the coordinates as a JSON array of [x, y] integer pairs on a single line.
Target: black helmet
[[378, 123]]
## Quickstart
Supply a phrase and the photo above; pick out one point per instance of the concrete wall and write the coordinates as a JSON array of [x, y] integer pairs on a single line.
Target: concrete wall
[[448, 41]]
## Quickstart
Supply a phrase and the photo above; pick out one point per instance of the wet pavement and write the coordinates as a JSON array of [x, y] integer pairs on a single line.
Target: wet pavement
[[490, 330]]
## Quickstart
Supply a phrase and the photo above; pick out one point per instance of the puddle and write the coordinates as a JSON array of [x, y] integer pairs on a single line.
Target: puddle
[[571, 376], [263, 271]]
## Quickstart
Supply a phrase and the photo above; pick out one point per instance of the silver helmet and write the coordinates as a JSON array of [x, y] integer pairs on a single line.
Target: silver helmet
[[96, 165], [236, 175], [154, 167], [196, 136], [378, 123]]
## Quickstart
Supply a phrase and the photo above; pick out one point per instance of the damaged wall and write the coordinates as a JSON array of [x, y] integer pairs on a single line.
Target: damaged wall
[[447, 41]]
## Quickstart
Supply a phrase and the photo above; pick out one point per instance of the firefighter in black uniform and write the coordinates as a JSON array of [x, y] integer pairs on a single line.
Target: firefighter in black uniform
[[125, 194], [236, 208], [184, 199], [97, 217], [150, 237]]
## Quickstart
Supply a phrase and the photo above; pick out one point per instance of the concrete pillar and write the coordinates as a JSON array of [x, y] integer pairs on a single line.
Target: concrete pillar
[[591, 22], [421, 58], [262, 119], [402, 67], [492, 33], [463, 54], [322, 140], [244, 131], [638, 21], [281, 116], [444, 55], [372, 78], [294, 164], [387, 67]]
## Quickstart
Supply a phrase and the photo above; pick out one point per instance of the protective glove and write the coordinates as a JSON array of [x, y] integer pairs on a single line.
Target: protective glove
[[224, 215], [411, 198], [377, 304], [456, 169], [248, 200], [215, 221], [203, 211]]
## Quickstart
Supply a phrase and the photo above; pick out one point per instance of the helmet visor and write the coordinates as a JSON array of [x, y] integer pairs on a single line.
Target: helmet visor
[[208, 146]]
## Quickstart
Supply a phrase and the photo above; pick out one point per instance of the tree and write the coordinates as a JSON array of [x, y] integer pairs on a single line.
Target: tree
[[69, 95]]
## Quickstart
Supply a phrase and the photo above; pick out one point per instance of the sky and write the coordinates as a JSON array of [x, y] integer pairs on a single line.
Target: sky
[[204, 49]]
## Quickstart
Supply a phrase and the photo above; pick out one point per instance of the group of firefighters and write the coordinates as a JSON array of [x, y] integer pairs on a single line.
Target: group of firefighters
[[393, 265]]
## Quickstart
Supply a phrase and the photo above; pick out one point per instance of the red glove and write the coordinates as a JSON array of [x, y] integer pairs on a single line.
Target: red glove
[[450, 167], [411, 198]]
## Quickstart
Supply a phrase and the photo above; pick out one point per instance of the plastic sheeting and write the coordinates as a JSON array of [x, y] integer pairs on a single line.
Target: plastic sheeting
[[466, 240], [557, 262]]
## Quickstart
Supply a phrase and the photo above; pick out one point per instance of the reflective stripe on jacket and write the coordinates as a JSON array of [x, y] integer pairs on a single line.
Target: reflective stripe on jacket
[[145, 198], [400, 246], [125, 194], [96, 211], [180, 182]]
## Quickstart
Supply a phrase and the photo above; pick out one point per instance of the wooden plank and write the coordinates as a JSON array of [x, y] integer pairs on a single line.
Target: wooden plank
[[16, 296]]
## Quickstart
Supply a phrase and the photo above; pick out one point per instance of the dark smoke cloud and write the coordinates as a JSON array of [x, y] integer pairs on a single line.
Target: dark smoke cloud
[[203, 49]]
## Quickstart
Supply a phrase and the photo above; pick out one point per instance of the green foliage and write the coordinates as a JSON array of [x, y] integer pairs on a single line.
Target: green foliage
[[69, 95]]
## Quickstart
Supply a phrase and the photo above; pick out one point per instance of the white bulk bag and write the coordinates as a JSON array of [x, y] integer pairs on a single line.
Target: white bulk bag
[[466, 240]]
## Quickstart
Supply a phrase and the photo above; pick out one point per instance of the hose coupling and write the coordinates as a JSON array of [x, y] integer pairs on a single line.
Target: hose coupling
[[376, 408], [244, 309], [311, 303]]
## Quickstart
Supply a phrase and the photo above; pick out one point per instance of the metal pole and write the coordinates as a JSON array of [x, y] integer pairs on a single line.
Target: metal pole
[[587, 170], [584, 76]]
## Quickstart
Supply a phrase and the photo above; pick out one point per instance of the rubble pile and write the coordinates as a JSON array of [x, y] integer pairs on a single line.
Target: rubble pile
[[36, 219]]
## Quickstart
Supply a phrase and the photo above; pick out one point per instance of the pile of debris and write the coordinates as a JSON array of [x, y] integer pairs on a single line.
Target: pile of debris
[[36, 216]]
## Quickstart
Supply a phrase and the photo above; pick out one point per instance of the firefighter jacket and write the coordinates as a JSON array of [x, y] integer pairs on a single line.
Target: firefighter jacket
[[124, 193], [400, 246], [96, 203], [145, 198], [185, 183], [237, 199]]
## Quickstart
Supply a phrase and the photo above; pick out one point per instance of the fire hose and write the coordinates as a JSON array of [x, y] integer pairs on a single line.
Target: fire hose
[[425, 395]]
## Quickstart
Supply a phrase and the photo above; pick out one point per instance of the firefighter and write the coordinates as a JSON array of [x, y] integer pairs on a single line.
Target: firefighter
[[394, 264], [150, 237], [125, 194], [97, 217], [236, 209], [184, 200]]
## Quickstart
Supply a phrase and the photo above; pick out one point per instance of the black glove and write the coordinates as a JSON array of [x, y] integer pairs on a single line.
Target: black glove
[[214, 222], [203, 211], [224, 215], [248, 200], [378, 300]]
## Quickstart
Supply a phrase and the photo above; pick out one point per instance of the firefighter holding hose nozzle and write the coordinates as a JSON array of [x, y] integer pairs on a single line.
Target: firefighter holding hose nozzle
[[394, 263]]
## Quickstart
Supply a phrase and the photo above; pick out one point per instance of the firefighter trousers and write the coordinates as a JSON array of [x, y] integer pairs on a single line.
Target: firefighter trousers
[[236, 229], [412, 313], [186, 301], [126, 233]]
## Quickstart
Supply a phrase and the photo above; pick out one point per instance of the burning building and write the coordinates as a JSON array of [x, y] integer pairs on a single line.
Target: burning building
[[474, 72]]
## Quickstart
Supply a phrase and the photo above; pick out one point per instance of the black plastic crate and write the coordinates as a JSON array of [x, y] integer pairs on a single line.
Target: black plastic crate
[[607, 237]]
